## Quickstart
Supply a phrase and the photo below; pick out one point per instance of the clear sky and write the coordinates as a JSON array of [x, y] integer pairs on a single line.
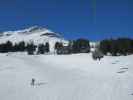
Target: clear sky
[[92, 19]]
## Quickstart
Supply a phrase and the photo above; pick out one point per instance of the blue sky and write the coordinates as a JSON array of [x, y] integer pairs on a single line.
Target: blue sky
[[92, 19]]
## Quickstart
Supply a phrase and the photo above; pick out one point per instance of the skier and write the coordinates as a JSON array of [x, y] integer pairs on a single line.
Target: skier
[[33, 81]]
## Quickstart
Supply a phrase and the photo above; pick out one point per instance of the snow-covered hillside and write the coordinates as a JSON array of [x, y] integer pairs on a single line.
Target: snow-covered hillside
[[65, 77], [37, 35], [34, 34]]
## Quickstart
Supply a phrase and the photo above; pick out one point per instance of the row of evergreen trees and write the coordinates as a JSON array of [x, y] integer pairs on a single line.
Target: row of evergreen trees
[[120, 46], [43, 48], [9, 47], [81, 46], [75, 46], [22, 47]]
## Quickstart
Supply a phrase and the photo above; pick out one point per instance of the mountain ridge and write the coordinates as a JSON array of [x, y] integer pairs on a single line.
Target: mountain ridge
[[34, 34]]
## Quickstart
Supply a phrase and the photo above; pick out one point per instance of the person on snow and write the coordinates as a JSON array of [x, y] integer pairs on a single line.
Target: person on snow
[[33, 81]]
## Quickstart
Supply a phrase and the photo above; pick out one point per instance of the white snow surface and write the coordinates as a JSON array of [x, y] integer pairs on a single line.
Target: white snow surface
[[65, 77]]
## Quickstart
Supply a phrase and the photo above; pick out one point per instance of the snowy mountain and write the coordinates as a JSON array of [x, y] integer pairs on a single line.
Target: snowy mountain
[[37, 35], [34, 34]]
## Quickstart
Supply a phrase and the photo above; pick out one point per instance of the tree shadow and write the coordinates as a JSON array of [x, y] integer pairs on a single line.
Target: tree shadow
[[40, 83], [121, 72], [124, 68]]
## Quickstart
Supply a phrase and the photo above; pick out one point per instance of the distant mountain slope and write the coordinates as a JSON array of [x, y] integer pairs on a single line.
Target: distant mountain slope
[[34, 34]]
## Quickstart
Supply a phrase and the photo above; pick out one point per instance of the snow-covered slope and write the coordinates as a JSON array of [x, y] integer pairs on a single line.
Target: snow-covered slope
[[34, 34], [37, 35], [65, 77]]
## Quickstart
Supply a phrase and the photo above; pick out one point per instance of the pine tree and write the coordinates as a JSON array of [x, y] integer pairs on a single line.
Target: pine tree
[[81, 46], [31, 48], [47, 47], [41, 49], [21, 46]]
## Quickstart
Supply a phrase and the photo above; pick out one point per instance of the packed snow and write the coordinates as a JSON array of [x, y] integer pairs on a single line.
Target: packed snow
[[65, 77]]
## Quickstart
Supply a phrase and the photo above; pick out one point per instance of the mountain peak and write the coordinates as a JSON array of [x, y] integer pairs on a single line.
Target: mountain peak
[[36, 28], [30, 30], [36, 34]]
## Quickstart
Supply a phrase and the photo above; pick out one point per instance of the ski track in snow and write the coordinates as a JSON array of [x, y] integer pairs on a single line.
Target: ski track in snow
[[65, 77]]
